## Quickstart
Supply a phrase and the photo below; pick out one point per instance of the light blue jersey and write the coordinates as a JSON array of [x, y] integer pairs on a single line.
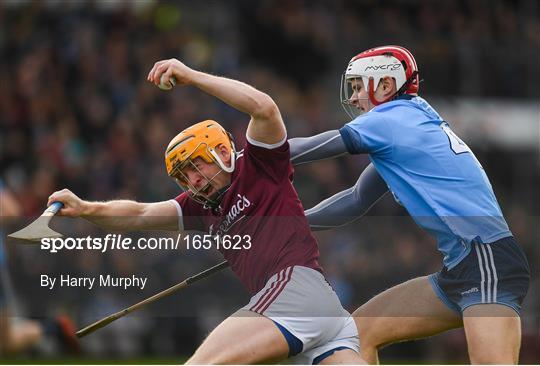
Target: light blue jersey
[[431, 172]]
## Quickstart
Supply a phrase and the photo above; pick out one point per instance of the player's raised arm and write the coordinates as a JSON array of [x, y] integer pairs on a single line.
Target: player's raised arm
[[266, 125], [325, 145], [350, 204], [119, 215]]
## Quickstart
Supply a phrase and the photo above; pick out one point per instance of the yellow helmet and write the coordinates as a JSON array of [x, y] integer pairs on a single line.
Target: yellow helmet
[[198, 141]]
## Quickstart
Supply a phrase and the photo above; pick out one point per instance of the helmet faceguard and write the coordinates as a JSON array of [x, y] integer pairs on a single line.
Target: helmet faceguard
[[199, 195], [371, 66], [199, 141]]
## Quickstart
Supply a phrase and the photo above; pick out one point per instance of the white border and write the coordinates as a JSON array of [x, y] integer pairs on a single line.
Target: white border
[[266, 146]]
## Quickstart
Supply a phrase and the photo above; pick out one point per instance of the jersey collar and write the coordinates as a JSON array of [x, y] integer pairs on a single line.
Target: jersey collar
[[405, 97]]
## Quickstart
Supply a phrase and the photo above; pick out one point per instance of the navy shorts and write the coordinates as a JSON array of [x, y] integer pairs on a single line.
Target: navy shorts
[[495, 273]]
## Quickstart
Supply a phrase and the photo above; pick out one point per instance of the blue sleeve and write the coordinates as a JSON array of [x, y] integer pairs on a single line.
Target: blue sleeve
[[371, 134]]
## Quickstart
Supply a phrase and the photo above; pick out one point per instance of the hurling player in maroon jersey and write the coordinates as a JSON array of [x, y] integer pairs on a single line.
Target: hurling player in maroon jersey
[[246, 197]]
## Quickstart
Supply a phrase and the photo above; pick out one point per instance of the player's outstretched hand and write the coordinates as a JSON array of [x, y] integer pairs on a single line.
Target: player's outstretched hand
[[166, 69], [73, 205]]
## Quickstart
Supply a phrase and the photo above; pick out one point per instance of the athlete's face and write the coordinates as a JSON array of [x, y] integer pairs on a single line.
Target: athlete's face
[[359, 97], [208, 178]]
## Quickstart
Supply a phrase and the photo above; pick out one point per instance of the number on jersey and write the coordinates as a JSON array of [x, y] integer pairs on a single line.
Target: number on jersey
[[456, 144]]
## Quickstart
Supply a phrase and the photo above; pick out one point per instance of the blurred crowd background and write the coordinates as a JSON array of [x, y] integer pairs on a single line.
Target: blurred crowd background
[[77, 112]]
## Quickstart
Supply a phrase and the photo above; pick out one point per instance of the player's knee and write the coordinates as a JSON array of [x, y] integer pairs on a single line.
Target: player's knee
[[202, 358], [213, 357], [492, 357], [198, 359], [367, 331], [479, 354], [192, 361]]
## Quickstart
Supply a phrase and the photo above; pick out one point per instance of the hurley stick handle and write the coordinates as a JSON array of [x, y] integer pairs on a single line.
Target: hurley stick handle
[[109, 319], [53, 209]]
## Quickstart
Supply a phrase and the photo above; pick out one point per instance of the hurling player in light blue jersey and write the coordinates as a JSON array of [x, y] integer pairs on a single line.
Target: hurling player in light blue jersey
[[430, 171]]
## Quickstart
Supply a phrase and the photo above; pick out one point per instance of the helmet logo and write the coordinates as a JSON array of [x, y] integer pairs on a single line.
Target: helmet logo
[[390, 67]]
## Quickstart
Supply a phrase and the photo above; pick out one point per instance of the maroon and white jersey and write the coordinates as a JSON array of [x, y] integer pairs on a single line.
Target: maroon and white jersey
[[263, 204]]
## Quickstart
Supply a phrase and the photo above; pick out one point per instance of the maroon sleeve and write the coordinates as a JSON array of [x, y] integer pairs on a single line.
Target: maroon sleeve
[[192, 213], [275, 163]]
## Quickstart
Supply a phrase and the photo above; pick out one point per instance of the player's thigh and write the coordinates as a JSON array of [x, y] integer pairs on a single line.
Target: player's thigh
[[243, 338], [493, 334], [407, 311], [343, 357]]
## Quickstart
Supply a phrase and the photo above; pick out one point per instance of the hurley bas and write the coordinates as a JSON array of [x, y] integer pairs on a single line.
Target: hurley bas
[[88, 282]]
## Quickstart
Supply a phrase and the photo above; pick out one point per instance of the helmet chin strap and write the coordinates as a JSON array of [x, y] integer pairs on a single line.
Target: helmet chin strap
[[214, 201], [222, 164]]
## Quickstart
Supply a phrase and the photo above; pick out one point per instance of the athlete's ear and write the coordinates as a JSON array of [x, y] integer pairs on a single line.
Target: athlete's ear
[[224, 153], [388, 85]]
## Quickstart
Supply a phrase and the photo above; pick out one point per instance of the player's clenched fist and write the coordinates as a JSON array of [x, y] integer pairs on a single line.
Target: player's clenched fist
[[165, 70], [73, 205]]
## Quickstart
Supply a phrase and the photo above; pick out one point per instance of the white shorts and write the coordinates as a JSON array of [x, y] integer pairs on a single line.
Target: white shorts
[[300, 300]]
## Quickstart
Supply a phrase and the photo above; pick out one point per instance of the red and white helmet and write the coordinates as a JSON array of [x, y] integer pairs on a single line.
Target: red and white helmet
[[374, 64]]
